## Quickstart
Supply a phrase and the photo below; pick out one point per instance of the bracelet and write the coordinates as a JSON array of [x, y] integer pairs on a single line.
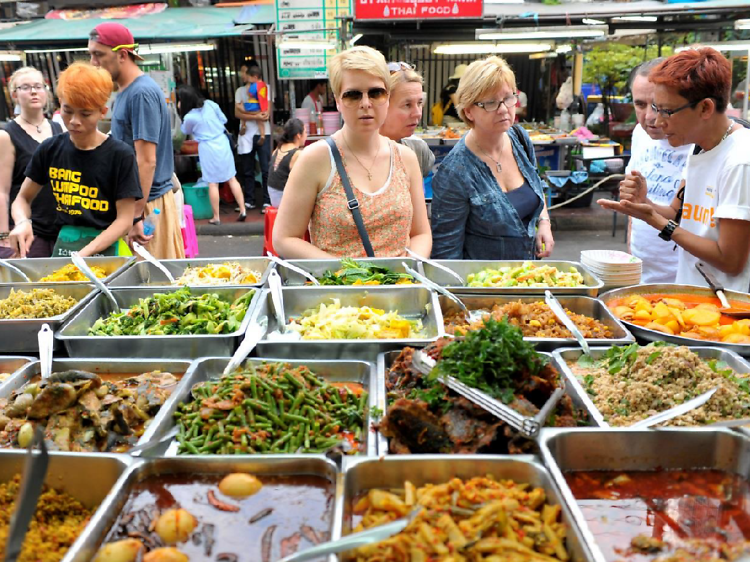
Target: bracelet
[[19, 223], [542, 219], [4, 235], [136, 220]]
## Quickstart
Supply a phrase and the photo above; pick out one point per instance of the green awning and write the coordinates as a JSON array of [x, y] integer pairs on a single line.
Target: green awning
[[171, 24]]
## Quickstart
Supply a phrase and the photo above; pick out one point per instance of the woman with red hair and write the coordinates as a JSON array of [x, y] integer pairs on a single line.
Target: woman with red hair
[[709, 219], [93, 177]]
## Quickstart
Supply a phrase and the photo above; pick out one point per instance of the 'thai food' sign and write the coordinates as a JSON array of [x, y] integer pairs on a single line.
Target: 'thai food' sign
[[416, 9]]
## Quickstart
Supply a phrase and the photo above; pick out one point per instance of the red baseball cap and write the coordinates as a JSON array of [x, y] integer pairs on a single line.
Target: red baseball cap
[[118, 37]]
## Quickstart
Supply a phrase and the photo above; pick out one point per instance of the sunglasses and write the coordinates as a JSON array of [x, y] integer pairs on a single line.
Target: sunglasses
[[378, 96], [399, 67], [128, 47]]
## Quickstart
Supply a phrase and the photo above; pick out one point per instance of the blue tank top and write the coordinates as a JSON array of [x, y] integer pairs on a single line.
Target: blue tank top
[[524, 201]]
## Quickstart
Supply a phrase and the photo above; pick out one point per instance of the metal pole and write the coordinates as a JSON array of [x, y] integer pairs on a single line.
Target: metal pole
[[747, 83]]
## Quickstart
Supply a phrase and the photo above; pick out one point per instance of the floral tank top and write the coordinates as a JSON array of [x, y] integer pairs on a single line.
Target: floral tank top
[[387, 214]]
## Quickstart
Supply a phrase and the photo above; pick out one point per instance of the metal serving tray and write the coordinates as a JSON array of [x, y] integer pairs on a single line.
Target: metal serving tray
[[36, 268], [11, 364], [563, 355], [145, 274], [566, 450], [465, 267], [362, 475], [331, 370], [580, 305], [74, 333], [19, 336], [89, 478], [411, 302], [646, 334], [99, 527], [386, 359], [318, 267], [158, 424]]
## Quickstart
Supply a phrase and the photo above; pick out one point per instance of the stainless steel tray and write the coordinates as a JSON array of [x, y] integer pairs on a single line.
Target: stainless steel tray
[[144, 274], [386, 359], [91, 479], [627, 449], [74, 334], [331, 370], [19, 336], [159, 423], [563, 355], [362, 475], [99, 527], [318, 267], [646, 334], [11, 364], [465, 267], [36, 268], [578, 304], [411, 302]]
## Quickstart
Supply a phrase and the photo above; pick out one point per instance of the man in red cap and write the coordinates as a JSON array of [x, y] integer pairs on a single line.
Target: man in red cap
[[140, 118]]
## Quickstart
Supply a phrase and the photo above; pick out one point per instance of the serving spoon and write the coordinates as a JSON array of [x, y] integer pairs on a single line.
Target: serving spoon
[[146, 255], [448, 270], [675, 411], [14, 269], [471, 315], [81, 264], [305, 274], [718, 289], [46, 339]]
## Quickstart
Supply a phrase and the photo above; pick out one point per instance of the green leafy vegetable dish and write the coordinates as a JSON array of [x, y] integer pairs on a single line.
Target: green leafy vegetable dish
[[528, 274], [629, 384], [364, 273], [179, 313]]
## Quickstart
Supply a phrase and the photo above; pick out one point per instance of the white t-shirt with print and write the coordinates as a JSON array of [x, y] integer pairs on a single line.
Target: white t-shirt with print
[[245, 142], [717, 187], [662, 166]]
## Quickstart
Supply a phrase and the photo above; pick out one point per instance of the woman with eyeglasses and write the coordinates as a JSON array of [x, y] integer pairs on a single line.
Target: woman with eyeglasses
[[405, 113], [386, 211], [18, 142], [488, 198], [709, 219]]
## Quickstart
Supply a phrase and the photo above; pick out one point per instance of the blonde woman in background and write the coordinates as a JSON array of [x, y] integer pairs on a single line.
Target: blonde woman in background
[[18, 142], [488, 198], [385, 176], [405, 112]]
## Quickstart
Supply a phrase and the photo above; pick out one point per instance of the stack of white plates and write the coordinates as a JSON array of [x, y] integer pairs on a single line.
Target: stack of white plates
[[615, 269]]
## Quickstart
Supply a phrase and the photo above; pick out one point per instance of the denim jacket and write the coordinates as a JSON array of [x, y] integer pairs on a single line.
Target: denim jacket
[[472, 218]]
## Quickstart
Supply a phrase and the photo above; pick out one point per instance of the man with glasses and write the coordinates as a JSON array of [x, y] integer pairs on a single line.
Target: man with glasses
[[140, 118], [709, 220], [661, 165]]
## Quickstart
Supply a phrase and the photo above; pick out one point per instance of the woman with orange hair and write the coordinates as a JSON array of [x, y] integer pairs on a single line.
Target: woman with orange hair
[[93, 176], [709, 219]]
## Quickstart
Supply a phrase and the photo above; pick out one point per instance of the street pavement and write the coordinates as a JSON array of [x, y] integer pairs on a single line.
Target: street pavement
[[568, 244]]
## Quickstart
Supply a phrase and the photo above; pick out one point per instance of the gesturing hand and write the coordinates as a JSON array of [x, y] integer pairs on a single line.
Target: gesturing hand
[[634, 188]]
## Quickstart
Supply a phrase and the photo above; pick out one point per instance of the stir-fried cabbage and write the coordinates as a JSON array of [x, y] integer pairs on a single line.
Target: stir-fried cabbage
[[526, 275]]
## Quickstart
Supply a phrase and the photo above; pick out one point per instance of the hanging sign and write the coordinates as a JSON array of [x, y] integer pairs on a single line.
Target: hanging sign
[[416, 9]]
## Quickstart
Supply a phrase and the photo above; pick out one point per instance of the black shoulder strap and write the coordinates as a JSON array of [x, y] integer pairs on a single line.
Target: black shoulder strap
[[529, 149], [56, 127], [351, 202]]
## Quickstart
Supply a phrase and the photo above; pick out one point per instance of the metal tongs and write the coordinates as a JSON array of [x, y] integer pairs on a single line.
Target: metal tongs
[[528, 427], [81, 264], [448, 270], [471, 315], [563, 317], [146, 255], [32, 481], [14, 269], [302, 272], [277, 298], [356, 540]]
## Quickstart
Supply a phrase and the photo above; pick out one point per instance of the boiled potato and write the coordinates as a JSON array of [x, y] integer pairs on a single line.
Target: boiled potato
[[167, 554], [701, 316], [25, 435], [674, 303], [126, 550], [175, 525], [642, 315], [661, 311], [644, 305], [707, 306], [736, 338], [659, 328], [239, 485], [724, 331], [673, 325]]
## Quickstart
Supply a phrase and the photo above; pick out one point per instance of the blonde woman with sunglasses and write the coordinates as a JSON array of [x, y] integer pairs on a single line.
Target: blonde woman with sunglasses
[[385, 177], [18, 142]]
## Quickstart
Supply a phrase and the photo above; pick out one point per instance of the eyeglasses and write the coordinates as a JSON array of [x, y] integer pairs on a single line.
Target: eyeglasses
[[29, 87], [378, 96], [492, 105], [399, 66], [667, 113]]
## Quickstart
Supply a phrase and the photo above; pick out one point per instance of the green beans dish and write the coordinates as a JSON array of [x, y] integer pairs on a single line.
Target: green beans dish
[[178, 313], [272, 408]]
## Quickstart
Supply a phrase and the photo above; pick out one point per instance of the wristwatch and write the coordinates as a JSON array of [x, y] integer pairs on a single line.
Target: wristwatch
[[667, 231], [4, 235], [136, 220]]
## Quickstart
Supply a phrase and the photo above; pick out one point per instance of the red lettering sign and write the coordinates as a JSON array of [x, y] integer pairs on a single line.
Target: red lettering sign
[[416, 9]]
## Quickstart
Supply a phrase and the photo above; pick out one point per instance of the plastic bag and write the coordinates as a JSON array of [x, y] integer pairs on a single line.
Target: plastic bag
[[565, 95], [596, 116]]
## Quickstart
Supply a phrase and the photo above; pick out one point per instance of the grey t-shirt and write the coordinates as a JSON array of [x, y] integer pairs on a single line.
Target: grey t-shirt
[[425, 156], [140, 113]]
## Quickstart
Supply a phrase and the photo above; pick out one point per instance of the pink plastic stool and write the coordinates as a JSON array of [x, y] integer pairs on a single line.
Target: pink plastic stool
[[189, 237]]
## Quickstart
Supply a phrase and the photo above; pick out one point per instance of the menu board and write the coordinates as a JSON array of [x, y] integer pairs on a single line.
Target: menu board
[[308, 21]]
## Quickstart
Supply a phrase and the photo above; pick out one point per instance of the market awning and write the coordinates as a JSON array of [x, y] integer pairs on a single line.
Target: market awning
[[171, 24]]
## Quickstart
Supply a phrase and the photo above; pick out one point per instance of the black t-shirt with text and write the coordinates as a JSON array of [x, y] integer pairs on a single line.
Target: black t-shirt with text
[[86, 183]]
